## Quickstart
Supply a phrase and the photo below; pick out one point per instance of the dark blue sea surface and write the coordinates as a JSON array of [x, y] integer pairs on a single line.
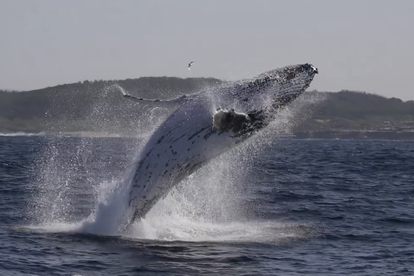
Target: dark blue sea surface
[[291, 207]]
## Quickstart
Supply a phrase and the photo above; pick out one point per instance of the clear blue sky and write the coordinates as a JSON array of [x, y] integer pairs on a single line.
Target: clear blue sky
[[365, 45]]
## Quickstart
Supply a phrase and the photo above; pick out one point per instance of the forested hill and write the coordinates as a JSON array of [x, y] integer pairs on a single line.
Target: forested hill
[[75, 100], [350, 110], [83, 106]]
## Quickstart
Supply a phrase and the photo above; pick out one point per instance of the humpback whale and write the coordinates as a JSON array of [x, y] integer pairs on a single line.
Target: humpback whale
[[206, 125]]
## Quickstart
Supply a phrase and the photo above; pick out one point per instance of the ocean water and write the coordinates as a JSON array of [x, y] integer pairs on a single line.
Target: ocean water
[[283, 207]]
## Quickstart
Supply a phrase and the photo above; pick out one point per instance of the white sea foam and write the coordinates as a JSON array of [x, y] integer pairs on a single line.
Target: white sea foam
[[15, 134]]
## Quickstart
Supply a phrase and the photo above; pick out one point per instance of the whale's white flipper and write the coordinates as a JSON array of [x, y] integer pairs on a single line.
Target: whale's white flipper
[[181, 99], [125, 94], [224, 120], [197, 132]]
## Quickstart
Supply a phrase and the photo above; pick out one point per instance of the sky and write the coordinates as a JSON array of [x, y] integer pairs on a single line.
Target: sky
[[363, 45]]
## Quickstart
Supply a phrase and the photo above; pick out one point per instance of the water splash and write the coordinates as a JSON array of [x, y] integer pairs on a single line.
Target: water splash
[[73, 170], [207, 206]]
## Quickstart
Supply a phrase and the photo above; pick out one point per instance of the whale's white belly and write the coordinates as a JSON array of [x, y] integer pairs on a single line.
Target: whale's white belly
[[180, 146]]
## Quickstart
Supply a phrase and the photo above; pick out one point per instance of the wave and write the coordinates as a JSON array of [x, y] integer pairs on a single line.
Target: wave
[[16, 134]]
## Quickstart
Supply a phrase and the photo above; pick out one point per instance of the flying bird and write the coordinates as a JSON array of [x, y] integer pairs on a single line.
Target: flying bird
[[189, 65]]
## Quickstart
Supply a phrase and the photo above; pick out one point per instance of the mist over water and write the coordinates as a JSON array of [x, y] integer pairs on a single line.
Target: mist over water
[[207, 206]]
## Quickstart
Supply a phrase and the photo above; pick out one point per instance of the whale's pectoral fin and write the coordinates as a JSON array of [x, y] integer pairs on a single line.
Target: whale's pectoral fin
[[125, 94], [224, 120], [181, 99], [238, 123], [136, 99]]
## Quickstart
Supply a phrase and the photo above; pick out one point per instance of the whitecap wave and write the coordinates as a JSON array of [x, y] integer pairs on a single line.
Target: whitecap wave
[[15, 134]]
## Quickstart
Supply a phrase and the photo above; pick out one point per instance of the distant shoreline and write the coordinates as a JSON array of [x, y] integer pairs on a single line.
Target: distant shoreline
[[331, 135]]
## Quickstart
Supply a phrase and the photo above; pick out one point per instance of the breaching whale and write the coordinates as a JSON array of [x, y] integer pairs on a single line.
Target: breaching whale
[[207, 125]]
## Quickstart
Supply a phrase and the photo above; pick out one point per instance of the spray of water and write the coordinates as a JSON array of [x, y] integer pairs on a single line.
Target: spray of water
[[15, 134], [207, 206], [73, 170]]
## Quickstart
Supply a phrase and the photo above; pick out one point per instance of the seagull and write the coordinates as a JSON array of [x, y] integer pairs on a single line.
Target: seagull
[[189, 65]]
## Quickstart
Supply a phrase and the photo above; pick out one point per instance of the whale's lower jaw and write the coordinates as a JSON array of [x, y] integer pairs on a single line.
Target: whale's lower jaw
[[192, 136]]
